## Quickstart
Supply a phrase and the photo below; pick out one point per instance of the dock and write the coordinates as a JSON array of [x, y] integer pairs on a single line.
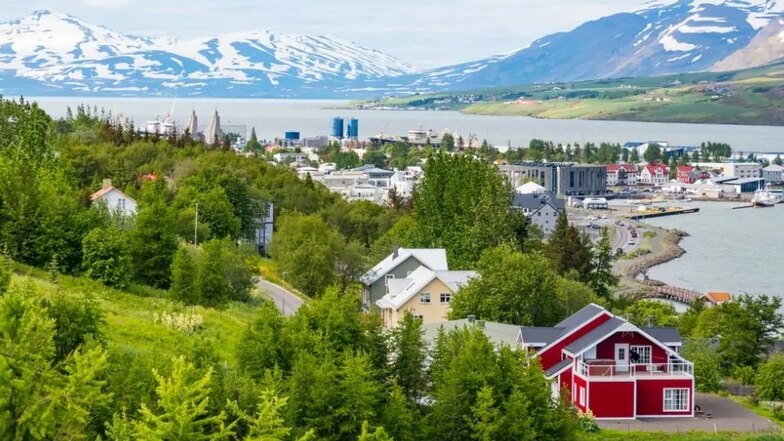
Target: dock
[[650, 215], [672, 293]]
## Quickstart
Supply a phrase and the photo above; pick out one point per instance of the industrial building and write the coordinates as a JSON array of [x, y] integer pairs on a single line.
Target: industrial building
[[338, 126], [560, 178]]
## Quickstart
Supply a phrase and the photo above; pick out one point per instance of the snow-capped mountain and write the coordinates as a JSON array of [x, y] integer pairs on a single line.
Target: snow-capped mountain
[[662, 38], [68, 55]]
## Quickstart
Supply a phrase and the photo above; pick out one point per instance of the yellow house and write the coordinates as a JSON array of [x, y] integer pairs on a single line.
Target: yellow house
[[425, 293]]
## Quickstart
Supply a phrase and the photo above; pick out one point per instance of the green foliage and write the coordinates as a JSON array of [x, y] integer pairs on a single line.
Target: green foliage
[[409, 355], [262, 346], [39, 397], [517, 288], [153, 244], [5, 274], [650, 313], [602, 276], [77, 320], [106, 258], [570, 251], [181, 409], [769, 380], [464, 205], [306, 249], [211, 275], [707, 364], [653, 154]]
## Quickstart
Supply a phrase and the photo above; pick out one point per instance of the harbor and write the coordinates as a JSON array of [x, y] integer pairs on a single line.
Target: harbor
[[655, 212]]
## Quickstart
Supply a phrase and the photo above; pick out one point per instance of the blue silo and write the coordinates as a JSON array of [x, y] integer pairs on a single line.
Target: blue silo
[[291, 136], [353, 128], [337, 128]]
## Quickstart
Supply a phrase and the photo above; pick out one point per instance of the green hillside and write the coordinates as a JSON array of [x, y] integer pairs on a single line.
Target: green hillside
[[753, 96]]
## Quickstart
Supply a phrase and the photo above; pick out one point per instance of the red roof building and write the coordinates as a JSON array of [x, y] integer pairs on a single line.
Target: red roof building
[[622, 175], [613, 368], [687, 174], [655, 174]]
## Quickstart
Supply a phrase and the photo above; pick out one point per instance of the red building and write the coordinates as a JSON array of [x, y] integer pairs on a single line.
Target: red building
[[613, 368]]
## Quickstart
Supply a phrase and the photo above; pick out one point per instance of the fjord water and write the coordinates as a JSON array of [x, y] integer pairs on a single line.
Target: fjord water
[[727, 250], [272, 118]]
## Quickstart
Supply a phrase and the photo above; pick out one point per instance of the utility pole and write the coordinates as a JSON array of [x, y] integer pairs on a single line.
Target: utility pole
[[196, 226]]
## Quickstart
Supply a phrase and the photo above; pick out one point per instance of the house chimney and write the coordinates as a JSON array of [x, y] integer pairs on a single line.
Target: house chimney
[[396, 253], [107, 183], [471, 319]]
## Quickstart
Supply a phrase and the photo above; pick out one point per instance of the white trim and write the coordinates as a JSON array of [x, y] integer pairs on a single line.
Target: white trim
[[623, 379], [561, 371], [665, 416], [650, 354], [670, 389], [634, 404], [563, 337], [628, 327]]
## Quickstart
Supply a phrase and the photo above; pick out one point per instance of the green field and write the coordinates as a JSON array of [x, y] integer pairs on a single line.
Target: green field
[[753, 96], [130, 318]]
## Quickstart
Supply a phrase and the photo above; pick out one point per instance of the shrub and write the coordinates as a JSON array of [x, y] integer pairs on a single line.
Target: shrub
[[587, 422], [184, 323], [105, 257]]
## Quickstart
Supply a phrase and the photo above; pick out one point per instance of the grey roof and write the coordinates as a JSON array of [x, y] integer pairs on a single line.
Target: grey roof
[[497, 333], [540, 335], [589, 339], [664, 335], [579, 318], [533, 202], [554, 370]]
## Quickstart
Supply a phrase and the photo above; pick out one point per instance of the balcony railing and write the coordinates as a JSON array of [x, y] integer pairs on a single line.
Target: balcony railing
[[608, 368]]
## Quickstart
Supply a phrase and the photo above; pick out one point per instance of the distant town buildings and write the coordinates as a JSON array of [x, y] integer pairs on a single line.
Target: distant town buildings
[[366, 183], [559, 178], [621, 175], [773, 174], [655, 174], [213, 134], [541, 209], [742, 170]]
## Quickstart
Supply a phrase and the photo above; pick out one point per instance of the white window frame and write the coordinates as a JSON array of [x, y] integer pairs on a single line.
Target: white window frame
[[387, 278], [419, 317], [447, 296], [676, 399], [425, 298], [637, 348], [581, 396]]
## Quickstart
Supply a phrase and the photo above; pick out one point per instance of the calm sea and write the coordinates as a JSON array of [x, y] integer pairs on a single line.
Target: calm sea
[[272, 118], [728, 250]]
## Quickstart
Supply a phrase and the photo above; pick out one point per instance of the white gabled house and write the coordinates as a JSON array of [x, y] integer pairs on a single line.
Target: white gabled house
[[115, 200]]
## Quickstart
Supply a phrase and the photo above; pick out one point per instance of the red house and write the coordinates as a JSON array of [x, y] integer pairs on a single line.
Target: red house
[[613, 368], [686, 174], [622, 175]]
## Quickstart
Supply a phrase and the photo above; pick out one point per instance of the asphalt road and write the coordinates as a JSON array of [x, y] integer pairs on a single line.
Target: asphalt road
[[287, 303]]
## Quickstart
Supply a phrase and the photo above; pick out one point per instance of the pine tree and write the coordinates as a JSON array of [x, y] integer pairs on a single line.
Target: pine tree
[[485, 416], [407, 346], [268, 424], [602, 277], [569, 250], [182, 410]]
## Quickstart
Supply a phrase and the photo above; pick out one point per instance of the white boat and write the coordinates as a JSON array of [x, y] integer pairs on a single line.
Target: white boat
[[779, 194], [764, 198]]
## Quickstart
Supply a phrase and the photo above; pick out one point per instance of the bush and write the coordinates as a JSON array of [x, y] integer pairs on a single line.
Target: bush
[[105, 257], [587, 422], [769, 380]]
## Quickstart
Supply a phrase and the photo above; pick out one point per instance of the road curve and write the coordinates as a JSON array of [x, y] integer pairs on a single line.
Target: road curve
[[287, 303]]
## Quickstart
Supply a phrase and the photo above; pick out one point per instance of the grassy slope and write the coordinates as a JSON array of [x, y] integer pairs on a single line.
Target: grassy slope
[[130, 318], [752, 96]]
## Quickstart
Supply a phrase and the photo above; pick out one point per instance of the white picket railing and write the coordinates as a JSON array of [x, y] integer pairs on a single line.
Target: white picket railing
[[672, 369]]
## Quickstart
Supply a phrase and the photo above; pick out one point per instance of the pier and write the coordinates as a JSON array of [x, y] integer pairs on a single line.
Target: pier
[[668, 292], [662, 213]]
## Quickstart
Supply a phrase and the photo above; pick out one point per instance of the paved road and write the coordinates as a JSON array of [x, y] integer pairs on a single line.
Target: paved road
[[287, 303], [726, 416]]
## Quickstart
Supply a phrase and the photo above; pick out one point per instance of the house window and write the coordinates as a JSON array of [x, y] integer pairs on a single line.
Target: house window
[[446, 297], [387, 278], [581, 398], [121, 204], [676, 400], [640, 354], [419, 317], [424, 298]]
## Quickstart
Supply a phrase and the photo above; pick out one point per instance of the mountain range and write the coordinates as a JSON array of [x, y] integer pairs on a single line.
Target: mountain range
[[50, 53]]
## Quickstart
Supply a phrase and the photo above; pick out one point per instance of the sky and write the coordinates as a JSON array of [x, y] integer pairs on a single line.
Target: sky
[[425, 33]]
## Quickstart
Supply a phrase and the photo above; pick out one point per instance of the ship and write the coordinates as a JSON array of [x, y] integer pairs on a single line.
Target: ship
[[764, 198]]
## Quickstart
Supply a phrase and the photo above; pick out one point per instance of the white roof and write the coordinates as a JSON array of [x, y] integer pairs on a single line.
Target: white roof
[[403, 290], [530, 188], [774, 168], [433, 258]]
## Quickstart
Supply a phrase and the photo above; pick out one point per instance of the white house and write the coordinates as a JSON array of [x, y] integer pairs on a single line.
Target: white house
[[541, 209], [404, 181], [742, 170], [622, 175], [115, 200], [655, 174]]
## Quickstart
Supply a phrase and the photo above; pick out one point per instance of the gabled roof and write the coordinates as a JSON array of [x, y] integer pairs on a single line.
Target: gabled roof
[[498, 333], [535, 202], [530, 188], [774, 168], [580, 317], [435, 259], [668, 336], [403, 290], [558, 368], [612, 168], [685, 169], [717, 297], [592, 337], [653, 168], [106, 190], [539, 335]]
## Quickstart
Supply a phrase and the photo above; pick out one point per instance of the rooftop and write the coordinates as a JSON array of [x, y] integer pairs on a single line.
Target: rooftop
[[498, 333]]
